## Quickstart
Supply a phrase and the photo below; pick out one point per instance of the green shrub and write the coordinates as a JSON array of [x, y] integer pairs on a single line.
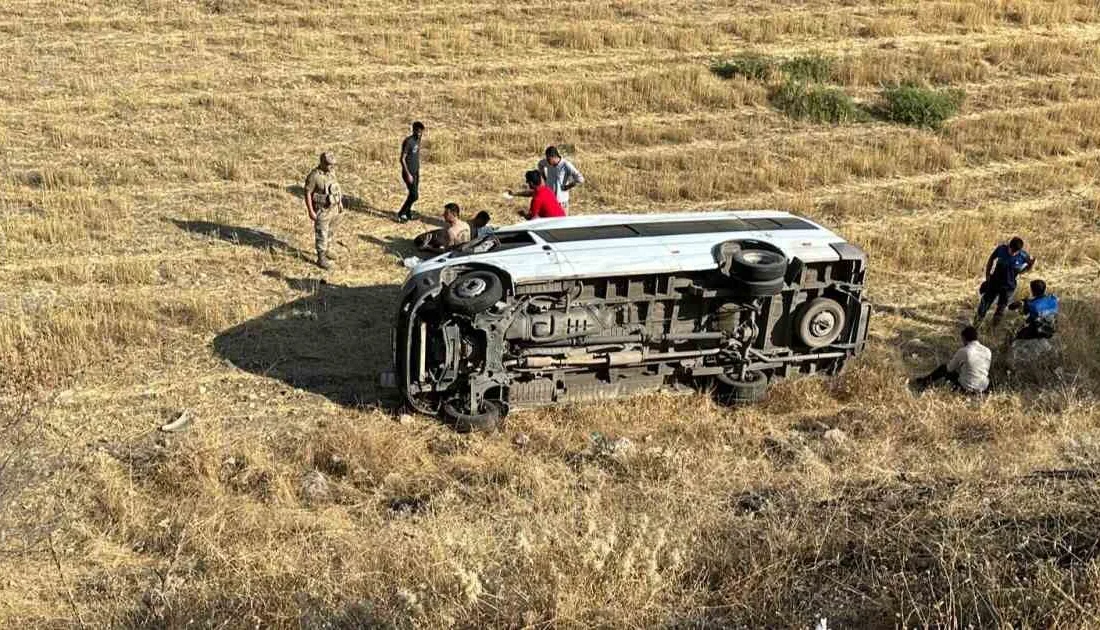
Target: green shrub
[[921, 107], [816, 103], [755, 67], [814, 68]]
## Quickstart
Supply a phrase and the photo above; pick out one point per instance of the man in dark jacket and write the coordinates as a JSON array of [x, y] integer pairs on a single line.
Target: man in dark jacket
[[1004, 264]]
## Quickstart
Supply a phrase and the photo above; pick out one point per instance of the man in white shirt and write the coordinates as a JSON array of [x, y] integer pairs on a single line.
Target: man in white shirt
[[968, 369], [560, 175]]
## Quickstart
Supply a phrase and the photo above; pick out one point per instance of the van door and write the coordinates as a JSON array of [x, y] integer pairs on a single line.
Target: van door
[[534, 262]]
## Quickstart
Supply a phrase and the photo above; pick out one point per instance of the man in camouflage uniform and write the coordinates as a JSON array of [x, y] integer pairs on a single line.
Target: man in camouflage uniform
[[324, 203]]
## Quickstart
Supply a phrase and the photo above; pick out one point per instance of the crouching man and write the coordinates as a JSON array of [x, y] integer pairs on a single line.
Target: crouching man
[[968, 369], [1040, 310]]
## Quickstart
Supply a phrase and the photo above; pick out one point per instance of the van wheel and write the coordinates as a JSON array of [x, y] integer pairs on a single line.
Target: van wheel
[[821, 322], [735, 391], [488, 420], [750, 288], [757, 265], [473, 292]]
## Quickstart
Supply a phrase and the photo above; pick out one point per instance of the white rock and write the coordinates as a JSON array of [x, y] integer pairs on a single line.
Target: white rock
[[181, 423], [621, 448], [835, 436]]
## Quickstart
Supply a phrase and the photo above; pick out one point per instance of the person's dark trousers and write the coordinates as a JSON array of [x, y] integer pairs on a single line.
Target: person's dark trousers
[[941, 373], [994, 294], [1032, 331], [414, 193]]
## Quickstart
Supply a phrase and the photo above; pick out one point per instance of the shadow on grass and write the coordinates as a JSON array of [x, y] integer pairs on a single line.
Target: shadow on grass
[[334, 342], [239, 235], [400, 247], [350, 202], [920, 314]]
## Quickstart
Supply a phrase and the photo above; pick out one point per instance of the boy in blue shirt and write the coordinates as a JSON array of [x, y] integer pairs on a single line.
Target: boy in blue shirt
[[1004, 264], [1041, 310]]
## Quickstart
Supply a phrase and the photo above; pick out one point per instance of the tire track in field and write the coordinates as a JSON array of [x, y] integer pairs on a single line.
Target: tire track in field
[[832, 191], [896, 301], [94, 260], [784, 132], [660, 123], [468, 14], [756, 200], [391, 81]]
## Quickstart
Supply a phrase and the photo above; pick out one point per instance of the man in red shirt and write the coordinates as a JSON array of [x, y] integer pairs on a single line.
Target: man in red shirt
[[544, 203]]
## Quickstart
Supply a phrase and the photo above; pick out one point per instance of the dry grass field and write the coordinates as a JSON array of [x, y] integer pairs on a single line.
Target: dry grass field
[[154, 258]]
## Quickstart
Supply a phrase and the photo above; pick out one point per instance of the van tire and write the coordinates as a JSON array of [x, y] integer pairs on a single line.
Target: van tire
[[750, 288], [474, 292], [489, 420], [735, 391], [757, 264]]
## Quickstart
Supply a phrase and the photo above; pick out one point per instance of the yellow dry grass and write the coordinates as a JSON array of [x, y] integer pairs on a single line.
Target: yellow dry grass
[[153, 259]]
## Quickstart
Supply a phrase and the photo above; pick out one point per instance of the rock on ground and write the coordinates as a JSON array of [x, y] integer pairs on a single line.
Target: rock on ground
[[1032, 351], [835, 436], [314, 487]]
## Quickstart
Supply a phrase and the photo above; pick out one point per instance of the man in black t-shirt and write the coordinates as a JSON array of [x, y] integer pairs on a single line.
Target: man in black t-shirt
[[410, 170]]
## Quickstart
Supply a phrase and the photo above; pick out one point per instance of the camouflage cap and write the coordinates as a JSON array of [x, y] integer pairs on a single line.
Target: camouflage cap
[[328, 158]]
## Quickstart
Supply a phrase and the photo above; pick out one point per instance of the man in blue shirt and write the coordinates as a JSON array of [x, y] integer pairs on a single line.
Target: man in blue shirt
[[1041, 310], [1004, 264]]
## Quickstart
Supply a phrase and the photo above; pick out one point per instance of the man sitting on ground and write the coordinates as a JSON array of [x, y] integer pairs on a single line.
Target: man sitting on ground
[[968, 369], [1041, 310], [446, 238]]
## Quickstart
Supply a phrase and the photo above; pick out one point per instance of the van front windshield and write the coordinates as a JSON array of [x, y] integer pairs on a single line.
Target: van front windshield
[[496, 241], [479, 245]]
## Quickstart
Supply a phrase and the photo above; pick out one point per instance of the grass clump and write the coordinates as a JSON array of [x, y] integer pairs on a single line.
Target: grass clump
[[921, 107], [815, 68], [816, 103], [754, 67]]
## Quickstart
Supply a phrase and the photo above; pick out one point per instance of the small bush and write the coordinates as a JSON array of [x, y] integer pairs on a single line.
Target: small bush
[[816, 103], [921, 107], [813, 68], [755, 67]]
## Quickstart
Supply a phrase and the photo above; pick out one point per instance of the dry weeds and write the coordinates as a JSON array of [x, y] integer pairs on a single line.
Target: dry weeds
[[152, 259]]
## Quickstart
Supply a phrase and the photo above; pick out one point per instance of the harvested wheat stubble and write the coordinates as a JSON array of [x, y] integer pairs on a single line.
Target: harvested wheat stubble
[[154, 259]]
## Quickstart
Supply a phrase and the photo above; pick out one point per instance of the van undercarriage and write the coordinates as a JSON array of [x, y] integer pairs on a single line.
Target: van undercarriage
[[468, 345]]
